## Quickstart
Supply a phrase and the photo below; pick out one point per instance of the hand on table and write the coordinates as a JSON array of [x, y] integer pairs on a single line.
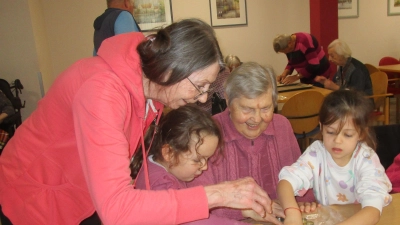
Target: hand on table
[[320, 79], [290, 79], [308, 206], [280, 78], [243, 193], [277, 211]]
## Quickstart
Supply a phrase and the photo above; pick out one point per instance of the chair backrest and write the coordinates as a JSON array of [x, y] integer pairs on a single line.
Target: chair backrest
[[379, 86], [371, 68], [387, 60], [388, 143], [302, 110]]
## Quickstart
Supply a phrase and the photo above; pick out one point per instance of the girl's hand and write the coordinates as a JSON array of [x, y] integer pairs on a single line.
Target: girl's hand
[[308, 206], [248, 213]]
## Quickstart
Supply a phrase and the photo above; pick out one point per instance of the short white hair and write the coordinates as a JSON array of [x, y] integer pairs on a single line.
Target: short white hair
[[341, 48]]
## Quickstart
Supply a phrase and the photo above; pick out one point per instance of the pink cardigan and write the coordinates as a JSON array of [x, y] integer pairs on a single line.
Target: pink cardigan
[[71, 156], [261, 158]]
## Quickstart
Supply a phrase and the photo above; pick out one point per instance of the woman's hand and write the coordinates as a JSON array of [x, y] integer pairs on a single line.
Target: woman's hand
[[248, 213], [280, 78], [320, 79], [239, 194], [290, 79], [277, 211]]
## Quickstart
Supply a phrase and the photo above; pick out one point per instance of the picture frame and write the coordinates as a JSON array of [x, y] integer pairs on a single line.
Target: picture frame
[[393, 7], [152, 14], [228, 12], [347, 9]]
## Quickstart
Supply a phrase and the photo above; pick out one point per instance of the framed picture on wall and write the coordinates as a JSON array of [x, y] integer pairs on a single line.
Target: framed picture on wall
[[150, 14], [347, 9], [393, 7], [228, 12]]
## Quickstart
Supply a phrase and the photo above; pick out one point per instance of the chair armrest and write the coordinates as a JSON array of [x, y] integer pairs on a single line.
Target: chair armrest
[[380, 95]]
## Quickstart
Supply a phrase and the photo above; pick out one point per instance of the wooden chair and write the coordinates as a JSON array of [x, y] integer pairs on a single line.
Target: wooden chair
[[302, 111], [371, 68], [381, 97], [393, 82]]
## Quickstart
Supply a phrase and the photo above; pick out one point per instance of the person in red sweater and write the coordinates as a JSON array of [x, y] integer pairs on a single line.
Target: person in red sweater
[[393, 172]]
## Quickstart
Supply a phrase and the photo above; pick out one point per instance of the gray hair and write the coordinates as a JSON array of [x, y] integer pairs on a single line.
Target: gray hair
[[251, 80], [281, 42], [341, 48]]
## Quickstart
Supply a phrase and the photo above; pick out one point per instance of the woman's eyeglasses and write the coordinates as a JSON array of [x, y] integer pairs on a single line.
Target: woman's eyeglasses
[[200, 91]]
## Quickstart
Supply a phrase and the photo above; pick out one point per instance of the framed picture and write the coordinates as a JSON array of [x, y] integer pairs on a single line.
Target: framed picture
[[393, 7], [150, 14], [347, 9], [228, 12]]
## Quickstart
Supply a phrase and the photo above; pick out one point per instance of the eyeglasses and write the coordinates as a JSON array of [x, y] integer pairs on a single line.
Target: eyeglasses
[[200, 91]]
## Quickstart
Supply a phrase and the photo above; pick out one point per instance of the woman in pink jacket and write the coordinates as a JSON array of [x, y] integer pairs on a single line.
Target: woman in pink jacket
[[71, 157]]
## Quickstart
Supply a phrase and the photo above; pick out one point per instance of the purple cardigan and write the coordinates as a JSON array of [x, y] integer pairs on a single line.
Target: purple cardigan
[[261, 158]]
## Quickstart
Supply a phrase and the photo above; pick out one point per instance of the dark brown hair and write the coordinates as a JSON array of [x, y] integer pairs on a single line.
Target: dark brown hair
[[177, 129], [342, 104], [178, 50]]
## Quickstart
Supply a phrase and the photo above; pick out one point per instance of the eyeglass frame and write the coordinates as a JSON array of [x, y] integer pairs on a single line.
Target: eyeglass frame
[[200, 91]]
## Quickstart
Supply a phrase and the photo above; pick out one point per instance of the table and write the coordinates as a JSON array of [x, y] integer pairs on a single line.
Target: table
[[390, 213], [284, 96], [390, 68]]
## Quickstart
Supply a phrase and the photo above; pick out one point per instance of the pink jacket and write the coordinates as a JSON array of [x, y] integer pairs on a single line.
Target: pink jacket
[[71, 156]]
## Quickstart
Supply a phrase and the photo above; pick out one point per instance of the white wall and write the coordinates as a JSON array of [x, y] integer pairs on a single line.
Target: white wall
[[18, 53], [373, 34], [49, 35]]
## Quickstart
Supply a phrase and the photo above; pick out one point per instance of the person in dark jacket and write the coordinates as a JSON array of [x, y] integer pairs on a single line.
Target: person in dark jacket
[[351, 73], [117, 19]]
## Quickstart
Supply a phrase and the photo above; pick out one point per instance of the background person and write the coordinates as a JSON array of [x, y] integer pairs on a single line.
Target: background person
[[258, 143], [304, 55], [351, 73], [77, 145], [231, 62], [117, 19], [343, 168]]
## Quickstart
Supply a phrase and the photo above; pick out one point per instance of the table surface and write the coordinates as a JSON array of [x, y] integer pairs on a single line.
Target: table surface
[[390, 68], [390, 213], [284, 96]]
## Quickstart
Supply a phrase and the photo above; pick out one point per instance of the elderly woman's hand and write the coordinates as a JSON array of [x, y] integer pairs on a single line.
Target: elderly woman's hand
[[239, 194], [248, 213], [320, 79], [280, 78]]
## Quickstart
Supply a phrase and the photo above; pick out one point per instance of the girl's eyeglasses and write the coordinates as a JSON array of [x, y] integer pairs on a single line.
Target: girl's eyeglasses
[[200, 91]]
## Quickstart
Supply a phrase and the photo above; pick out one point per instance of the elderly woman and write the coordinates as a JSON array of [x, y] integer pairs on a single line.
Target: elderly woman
[[351, 73], [258, 143], [305, 55]]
